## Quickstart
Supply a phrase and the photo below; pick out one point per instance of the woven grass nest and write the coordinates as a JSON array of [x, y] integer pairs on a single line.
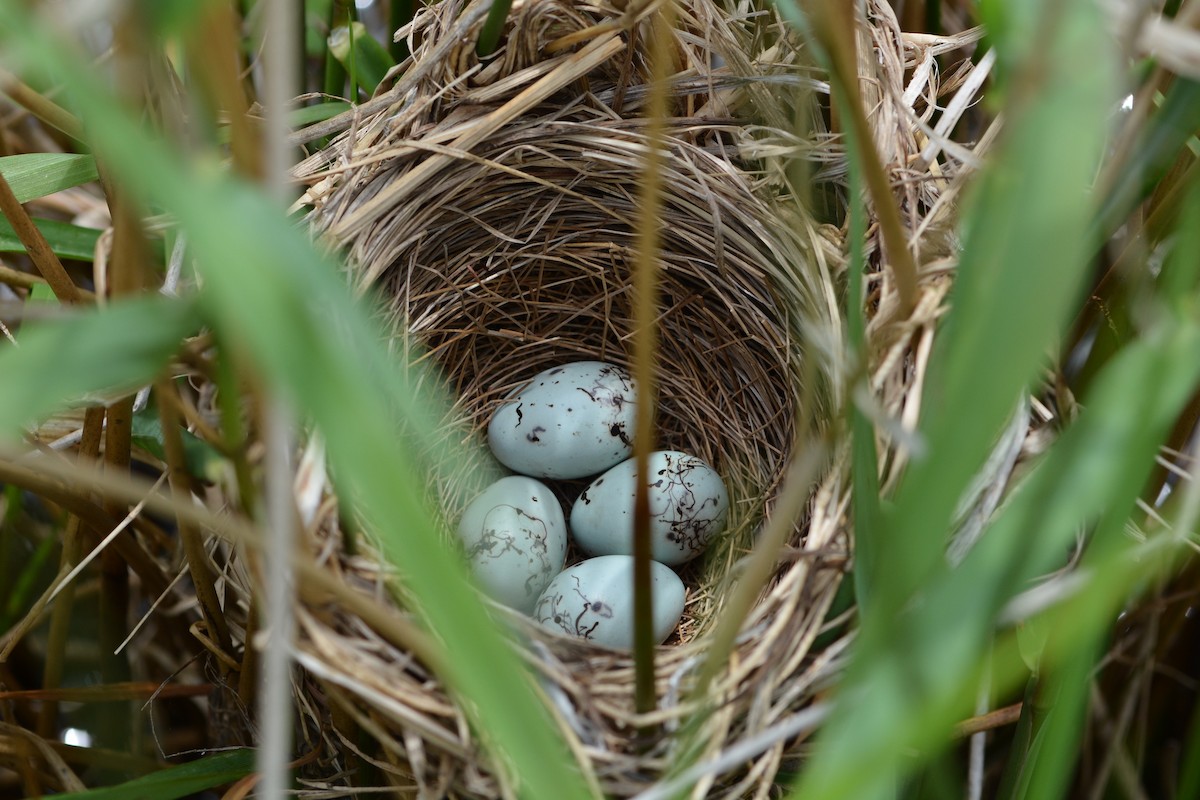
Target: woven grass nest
[[494, 203]]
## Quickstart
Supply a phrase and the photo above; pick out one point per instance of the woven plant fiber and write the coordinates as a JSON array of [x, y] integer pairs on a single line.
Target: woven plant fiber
[[494, 204]]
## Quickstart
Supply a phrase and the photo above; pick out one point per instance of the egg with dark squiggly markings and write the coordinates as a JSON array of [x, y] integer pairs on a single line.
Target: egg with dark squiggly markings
[[594, 600], [688, 508], [516, 540], [567, 422]]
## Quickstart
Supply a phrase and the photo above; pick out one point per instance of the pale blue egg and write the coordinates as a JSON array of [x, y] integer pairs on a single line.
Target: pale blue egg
[[594, 600], [567, 422], [688, 508], [515, 539]]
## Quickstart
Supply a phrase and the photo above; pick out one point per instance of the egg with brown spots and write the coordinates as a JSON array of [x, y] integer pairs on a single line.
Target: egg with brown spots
[[569, 421]]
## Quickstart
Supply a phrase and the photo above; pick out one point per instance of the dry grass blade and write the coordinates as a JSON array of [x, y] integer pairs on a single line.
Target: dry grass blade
[[646, 279], [47, 111], [199, 566]]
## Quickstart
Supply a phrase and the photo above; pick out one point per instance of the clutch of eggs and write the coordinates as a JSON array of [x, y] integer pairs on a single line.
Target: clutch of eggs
[[688, 507], [567, 422], [573, 421]]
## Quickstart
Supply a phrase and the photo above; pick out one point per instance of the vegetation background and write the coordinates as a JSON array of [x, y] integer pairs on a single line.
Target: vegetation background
[[1056, 657]]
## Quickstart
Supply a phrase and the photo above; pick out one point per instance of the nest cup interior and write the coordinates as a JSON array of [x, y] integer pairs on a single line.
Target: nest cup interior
[[501, 274], [494, 204]]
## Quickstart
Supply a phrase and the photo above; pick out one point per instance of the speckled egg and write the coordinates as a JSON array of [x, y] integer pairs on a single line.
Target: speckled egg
[[594, 600], [688, 507], [568, 422], [515, 539]]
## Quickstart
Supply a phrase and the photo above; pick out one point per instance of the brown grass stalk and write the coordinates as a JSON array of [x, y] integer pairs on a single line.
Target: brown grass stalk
[[645, 351], [203, 576], [37, 247], [60, 618]]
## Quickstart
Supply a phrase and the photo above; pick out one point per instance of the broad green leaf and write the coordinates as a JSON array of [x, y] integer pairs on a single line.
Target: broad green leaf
[[203, 460], [89, 356], [174, 782], [290, 312], [65, 239], [364, 59], [318, 113], [41, 294], [34, 175]]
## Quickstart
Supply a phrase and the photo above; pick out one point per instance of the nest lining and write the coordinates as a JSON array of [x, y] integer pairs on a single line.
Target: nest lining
[[494, 308]]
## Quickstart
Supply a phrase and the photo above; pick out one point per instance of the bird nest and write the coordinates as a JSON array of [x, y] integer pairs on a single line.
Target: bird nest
[[494, 203]]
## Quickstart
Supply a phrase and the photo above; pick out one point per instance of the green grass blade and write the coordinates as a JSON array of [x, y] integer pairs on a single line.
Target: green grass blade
[[489, 36], [307, 115], [262, 277], [41, 294], [1013, 296], [1181, 271], [1013, 776], [88, 356], [34, 175], [1050, 727], [1167, 132], [868, 517], [298, 117], [175, 782], [910, 693], [28, 583], [1189, 779], [290, 311], [65, 239], [1014, 291], [363, 58], [1114, 571]]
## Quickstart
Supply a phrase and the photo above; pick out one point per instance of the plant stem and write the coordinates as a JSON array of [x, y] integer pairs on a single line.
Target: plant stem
[[645, 351], [489, 37], [193, 542], [116, 730], [45, 110], [215, 56], [835, 31], [341, 12], [37, 247], [60, 619]]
